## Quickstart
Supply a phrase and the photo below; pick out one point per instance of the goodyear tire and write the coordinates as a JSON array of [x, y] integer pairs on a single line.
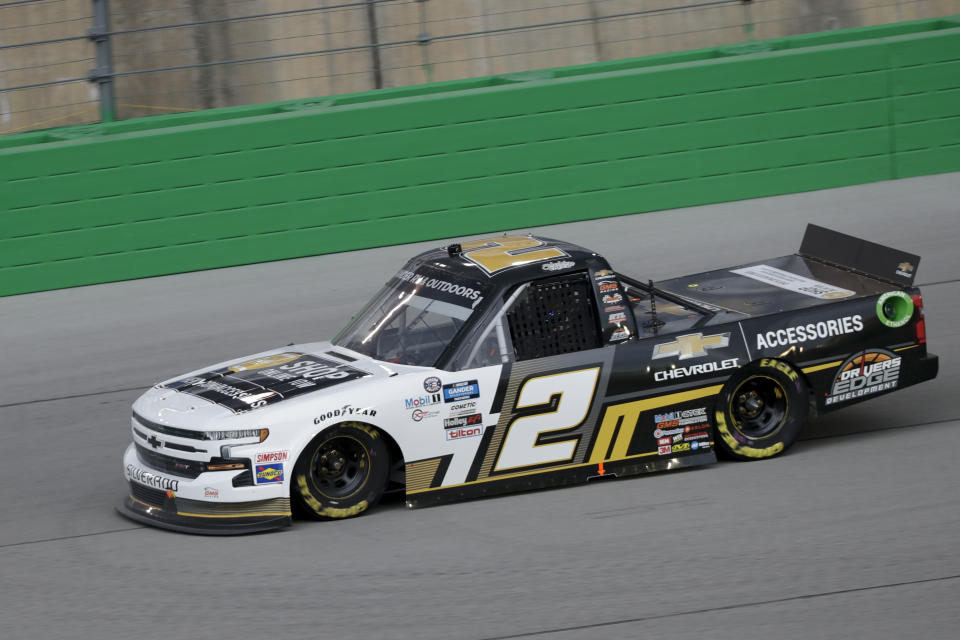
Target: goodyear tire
[[342, 472], [760, 410]]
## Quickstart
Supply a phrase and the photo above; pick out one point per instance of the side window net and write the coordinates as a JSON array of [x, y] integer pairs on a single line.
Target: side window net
[[553, 317]]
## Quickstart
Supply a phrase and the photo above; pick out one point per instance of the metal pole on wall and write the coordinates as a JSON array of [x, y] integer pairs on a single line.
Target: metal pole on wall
[[103, 73], [747, 19], [374, 44]]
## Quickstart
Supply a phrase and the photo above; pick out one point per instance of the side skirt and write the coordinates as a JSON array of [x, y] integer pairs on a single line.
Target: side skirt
[[560, 477]]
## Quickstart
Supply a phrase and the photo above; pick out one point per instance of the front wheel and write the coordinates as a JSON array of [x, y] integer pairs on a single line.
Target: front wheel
[[342, 472], [761, 410]]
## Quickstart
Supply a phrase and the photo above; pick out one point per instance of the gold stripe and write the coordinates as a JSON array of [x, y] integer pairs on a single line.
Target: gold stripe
[[821, 367], [517, 375], [234, 515], [421, 473], [913, 346], [836, 363], [630, 412], [143, 503], [239, 514]]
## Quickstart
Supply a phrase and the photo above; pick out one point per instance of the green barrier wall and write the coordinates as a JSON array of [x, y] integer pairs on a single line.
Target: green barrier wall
[[211, 189]]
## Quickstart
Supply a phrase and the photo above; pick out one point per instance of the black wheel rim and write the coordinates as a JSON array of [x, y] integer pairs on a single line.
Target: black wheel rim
[[759, 406], [340, 466]]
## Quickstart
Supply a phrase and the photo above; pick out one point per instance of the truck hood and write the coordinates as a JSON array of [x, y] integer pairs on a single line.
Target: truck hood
[[221, 391]]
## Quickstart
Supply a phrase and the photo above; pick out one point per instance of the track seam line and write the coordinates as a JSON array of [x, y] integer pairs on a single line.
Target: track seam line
[[79, 535], [828, 436], [76, 395], [760, 603], [930, 284]]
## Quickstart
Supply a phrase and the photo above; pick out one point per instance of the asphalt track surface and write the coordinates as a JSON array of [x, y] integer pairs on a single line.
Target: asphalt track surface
[[853, 534]]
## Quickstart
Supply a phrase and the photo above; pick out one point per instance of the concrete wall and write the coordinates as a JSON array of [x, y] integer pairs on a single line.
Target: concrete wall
[[219, 188]]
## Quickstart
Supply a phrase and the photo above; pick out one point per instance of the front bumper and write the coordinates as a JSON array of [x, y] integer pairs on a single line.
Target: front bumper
[[230, 519], [162, 505]]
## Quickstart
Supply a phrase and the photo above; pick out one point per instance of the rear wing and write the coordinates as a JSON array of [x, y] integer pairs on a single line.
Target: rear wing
[[864, 257]]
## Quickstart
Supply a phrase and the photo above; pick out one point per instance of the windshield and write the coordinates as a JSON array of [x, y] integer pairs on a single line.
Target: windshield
[[414, 317]]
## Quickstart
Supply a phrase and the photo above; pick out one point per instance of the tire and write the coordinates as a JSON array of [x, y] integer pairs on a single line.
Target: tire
[[760, 411], [342, 472]]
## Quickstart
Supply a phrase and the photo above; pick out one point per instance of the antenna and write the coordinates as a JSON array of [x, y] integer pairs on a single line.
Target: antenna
[[653, 306], [653, 322]]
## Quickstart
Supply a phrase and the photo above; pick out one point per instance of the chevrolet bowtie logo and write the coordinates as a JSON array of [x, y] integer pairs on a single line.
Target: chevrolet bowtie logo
[[692, 345], [154, 441]]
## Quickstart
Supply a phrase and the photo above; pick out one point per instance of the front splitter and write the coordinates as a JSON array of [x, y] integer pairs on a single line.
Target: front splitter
[[168, 516]]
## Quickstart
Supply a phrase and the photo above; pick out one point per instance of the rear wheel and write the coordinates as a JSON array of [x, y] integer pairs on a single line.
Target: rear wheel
[[342, 472], [760, 411]]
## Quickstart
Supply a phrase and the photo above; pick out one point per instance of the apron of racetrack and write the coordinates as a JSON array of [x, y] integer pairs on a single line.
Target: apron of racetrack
[[852, 534]]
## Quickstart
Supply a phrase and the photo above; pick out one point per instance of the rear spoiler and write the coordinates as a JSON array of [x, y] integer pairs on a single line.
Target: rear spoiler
[[864, 257]]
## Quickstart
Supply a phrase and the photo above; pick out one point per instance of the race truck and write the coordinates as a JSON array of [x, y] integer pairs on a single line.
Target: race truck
[[520, 362]]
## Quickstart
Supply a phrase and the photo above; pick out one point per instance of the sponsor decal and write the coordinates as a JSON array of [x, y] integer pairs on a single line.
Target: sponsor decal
[[664, 449], [273, 456], [603, 273], [278, 375], [664, 441], [467, 407], [614, 308], [345, 411], [619, 334], [466, 390], [420, 414], [692, 345], [266, 380], [421, 401], [678, 438], [317, 369], [661, 433], [558, 266], [269, 473], [616, 318], [695, 370], [463, 421], [152, 479], [438, 285], [681, 447], [211, 493], [697, 435], [810, 331], [612, 298], [607, 286], [792, 282], [681, 418], [467, 432], [496, 254], [432, 384], [266, 361], [895, 308], [905, 269], [863, 374]]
